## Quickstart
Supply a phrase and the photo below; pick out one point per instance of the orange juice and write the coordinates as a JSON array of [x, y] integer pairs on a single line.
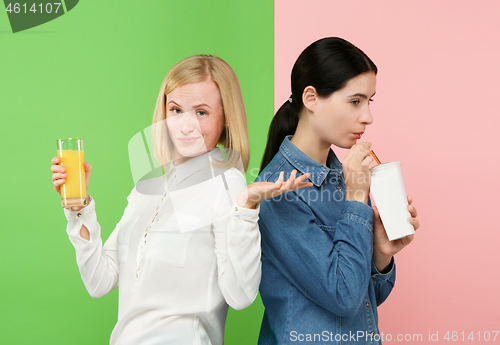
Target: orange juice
[[73, 191]]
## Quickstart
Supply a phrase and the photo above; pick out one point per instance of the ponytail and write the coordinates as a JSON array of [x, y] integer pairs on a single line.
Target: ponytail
[[284, 123], [327, 65]]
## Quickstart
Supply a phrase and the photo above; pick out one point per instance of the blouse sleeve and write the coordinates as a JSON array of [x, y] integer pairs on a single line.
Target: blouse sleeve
[[237, 244], [98, 264]]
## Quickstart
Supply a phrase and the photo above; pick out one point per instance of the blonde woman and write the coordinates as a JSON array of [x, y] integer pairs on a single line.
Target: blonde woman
[[188, 244]]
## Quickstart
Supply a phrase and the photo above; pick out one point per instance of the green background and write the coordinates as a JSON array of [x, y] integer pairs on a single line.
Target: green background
[[95, 73]]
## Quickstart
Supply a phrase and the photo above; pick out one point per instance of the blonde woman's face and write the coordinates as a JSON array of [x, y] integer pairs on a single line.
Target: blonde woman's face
[[195, 119]]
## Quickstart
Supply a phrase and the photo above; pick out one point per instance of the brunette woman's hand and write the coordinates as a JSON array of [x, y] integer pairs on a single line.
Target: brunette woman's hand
[[357, 173], [258, 191], [383, 249], [59, 177]]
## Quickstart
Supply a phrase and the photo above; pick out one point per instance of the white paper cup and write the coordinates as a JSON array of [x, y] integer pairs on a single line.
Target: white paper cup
[[389, 194]]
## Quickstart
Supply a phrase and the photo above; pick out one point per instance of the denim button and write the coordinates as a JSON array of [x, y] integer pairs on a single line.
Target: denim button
[[236, 208], [374, 278], [78, 214], [339, 187], [372, 334], [368, 304]]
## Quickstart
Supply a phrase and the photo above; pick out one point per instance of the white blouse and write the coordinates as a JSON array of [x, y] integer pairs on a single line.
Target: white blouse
[[180, 254]]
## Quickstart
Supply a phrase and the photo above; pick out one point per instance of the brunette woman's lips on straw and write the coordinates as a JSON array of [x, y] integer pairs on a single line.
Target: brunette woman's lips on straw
[[358, 135]]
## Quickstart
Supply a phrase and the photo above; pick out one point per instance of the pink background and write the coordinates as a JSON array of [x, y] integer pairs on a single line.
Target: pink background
[[436, 111]]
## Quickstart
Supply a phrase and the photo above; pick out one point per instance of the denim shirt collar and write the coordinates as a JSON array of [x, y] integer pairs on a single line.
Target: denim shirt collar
[[304, 164]]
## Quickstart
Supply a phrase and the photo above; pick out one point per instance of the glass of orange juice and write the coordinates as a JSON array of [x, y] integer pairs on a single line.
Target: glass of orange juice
[[74, 189]]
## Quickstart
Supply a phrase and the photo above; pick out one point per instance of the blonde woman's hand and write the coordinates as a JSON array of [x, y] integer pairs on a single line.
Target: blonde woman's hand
[[59, 177], [258, 191], [357, 173]]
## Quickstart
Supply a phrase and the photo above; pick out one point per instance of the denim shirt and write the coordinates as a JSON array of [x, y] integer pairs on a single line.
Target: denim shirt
[[319, 284]]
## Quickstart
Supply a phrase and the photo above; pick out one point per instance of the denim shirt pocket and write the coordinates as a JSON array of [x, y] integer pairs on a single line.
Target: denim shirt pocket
[[327, 228]]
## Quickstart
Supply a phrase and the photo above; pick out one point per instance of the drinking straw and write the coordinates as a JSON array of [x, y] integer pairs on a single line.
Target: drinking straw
[[371, 152]]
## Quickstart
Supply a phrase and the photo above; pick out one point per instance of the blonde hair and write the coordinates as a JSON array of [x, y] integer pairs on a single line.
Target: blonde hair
[[195, 69]]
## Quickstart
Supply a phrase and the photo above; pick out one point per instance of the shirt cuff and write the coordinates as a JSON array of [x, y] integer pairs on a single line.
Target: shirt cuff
[[244, 213], [376, 275], [358, 212], [86, 216], [74, 215]]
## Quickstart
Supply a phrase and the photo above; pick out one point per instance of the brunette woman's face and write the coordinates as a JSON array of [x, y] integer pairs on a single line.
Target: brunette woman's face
[[340, 118], [195, 119]]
